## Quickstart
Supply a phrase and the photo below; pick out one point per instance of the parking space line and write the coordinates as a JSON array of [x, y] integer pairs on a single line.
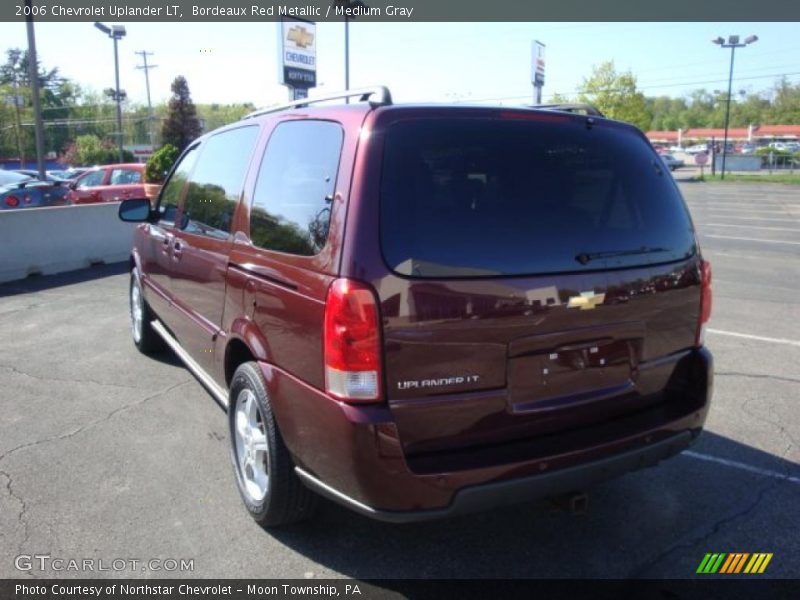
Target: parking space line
[[745, 200], [741, 466], [752, 227], [725, 213], [746, 205], [758, 338], [756, 209], [756, 219], [760, 286], [713, 252], [747, 239], [749, 194]]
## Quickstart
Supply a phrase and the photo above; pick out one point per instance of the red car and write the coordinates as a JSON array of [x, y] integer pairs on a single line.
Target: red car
[[421, 311], [109, 183]]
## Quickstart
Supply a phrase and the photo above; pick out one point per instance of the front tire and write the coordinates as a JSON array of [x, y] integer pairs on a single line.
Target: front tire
[[264, 470], [144, 337]]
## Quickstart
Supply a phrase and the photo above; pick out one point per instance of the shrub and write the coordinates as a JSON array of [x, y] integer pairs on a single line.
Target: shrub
[[160, 163], [89, 150], [766, 151]]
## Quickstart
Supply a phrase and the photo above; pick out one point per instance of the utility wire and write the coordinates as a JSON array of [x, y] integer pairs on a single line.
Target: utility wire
[[638, 87]]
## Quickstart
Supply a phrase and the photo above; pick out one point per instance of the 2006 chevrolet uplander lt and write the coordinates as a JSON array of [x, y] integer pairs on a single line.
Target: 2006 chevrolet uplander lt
[[419, 311]]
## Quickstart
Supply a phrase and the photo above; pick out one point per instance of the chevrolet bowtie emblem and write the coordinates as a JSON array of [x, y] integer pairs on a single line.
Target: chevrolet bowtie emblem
[[586, 301], [300, 36]]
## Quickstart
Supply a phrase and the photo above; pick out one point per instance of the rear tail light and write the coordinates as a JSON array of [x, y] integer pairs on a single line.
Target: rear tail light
[[12, 201], [705, 302], [352, 342]]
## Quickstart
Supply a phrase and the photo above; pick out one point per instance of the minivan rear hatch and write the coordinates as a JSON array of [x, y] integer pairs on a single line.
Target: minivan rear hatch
[[543, 275]]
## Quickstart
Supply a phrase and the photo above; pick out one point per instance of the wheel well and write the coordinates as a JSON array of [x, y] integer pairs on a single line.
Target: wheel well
[[236, 353]]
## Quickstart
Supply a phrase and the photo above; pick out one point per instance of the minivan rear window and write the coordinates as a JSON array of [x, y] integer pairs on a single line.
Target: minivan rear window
[[468, 197]]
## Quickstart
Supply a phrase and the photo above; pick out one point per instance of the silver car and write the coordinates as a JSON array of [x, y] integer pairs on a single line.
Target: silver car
[[672, 162]]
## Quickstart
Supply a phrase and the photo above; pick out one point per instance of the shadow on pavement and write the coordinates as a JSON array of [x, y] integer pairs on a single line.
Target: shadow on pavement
[[660, 520], [36, 283]]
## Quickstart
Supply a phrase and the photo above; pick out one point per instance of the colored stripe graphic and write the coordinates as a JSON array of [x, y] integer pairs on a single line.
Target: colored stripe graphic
[[711, 563], [727, 564], [734, 563], [765, 563], [758, 563], [741, 562], [703, 563], [757, 558]]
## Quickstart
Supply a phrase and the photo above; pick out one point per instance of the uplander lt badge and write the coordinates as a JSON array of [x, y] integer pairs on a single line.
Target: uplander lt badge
[[412, 384]]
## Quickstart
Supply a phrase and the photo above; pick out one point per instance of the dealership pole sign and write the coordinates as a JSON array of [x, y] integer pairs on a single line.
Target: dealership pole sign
[[537, 75], [538, 63], [298, 55]]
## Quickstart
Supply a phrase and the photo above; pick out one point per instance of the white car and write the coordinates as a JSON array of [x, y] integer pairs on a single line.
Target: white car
[[697, 149], [672, 162]]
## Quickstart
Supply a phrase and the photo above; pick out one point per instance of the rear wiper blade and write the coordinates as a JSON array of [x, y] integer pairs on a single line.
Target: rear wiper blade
[[586, 257]]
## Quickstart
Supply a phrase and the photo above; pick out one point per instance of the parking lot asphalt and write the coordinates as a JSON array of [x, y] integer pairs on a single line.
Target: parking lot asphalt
[[106, 454]]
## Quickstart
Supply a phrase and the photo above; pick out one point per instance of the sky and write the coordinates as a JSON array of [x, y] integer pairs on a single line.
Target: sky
[[436, 62]]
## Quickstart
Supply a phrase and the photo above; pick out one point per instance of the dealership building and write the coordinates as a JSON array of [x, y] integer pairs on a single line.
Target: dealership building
[[756, 134]]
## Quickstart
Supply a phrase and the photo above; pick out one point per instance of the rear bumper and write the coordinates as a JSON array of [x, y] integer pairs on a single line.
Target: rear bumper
[[514, 491], [353, 454]]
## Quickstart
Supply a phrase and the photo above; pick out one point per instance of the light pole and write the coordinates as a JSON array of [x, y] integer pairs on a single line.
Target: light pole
[[350, 6], [146, 67], [116, 33], [732, 43], [33, 74], [17, 110]]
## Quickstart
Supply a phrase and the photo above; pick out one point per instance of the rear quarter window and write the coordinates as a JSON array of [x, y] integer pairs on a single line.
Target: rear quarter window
[[495, 197], [291, 207]]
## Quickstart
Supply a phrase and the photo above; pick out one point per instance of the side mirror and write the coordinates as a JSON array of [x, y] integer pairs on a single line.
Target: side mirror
[[135, 210]]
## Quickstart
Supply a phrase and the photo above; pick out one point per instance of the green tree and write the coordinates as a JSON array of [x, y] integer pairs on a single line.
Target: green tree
[[90, 150], [559, 98], [218, 115], [667, 113], [785, 106], [181, 125], [57, 95], [615, 95]]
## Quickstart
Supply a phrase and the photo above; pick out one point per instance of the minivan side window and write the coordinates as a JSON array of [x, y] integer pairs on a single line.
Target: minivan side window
[[171, 192], [216, 182], [292, 200]]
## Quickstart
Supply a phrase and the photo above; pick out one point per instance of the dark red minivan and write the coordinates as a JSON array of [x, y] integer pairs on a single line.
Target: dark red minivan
[[420, 311]]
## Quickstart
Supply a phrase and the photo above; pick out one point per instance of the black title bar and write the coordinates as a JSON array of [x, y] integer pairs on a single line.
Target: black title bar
[[732, 588], [400, 10]]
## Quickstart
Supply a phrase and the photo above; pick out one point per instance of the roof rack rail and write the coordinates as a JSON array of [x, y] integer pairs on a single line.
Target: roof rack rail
[[580, 108], [382, 93]]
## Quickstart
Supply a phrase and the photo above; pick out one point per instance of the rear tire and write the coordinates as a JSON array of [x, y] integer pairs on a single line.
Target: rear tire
[[144, 337], [263, 467]]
